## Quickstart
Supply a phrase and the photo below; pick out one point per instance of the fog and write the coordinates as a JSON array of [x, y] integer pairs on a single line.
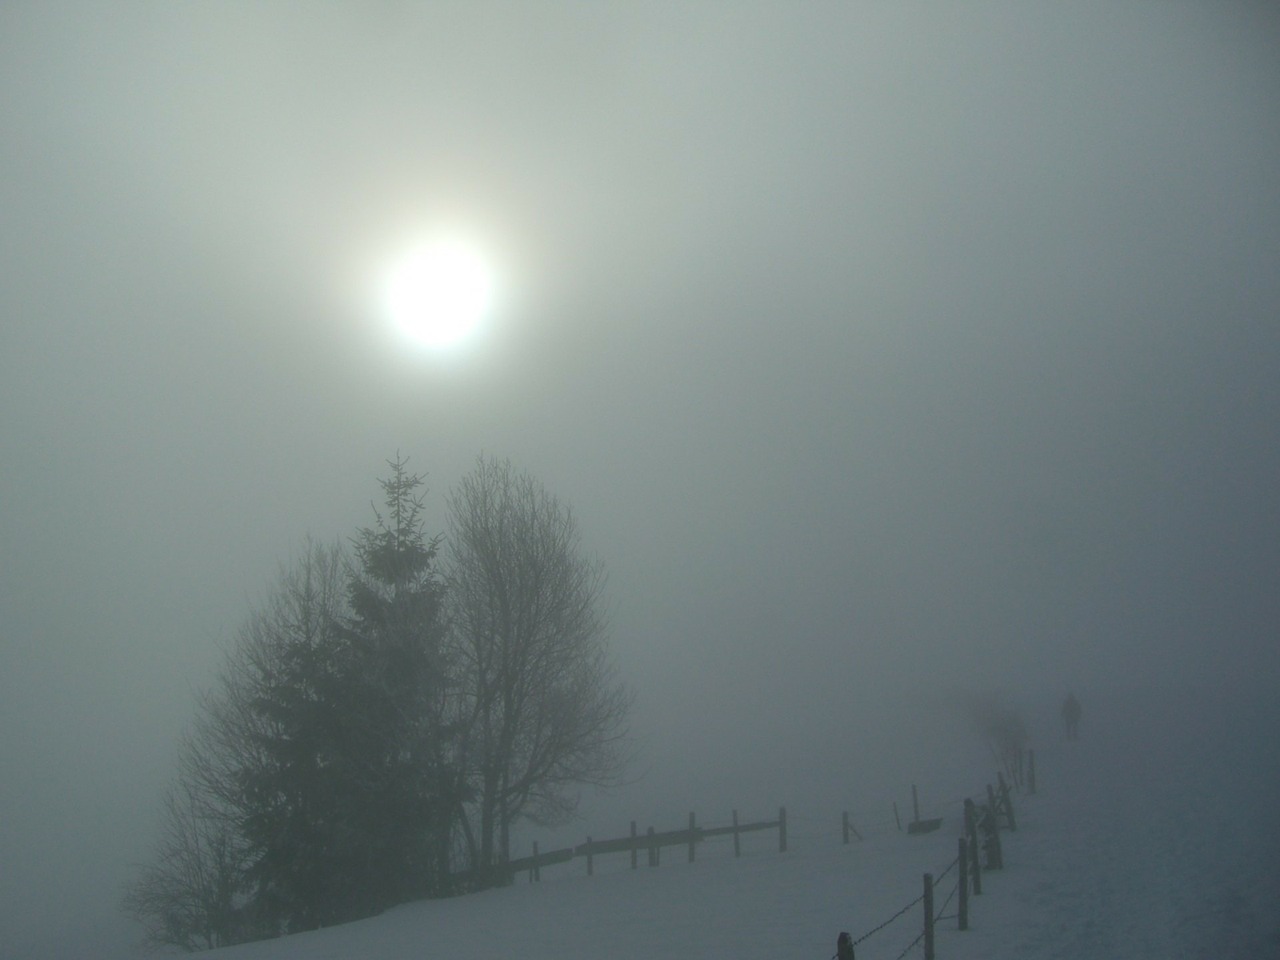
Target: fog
[[886, 354]]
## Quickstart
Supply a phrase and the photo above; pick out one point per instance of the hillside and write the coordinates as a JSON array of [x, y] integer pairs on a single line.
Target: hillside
[[1151, 836]]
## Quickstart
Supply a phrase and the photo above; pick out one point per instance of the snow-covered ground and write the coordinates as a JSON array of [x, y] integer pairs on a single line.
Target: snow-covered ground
[[1154, 835]]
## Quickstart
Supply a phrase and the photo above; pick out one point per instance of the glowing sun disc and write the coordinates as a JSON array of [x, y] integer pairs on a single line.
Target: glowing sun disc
[[438, 293]]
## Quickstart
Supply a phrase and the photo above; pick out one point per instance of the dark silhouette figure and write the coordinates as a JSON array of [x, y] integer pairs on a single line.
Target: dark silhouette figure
[[844, 947], [1071, 716]]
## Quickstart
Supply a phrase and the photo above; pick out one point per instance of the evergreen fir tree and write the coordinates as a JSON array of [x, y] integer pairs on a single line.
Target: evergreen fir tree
[[398, 749]]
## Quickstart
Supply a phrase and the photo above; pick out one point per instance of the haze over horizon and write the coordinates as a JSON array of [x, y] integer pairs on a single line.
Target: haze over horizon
[[884, 353]]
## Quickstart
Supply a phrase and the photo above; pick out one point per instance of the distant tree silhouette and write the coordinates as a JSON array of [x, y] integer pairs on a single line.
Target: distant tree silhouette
[[190, 895], [1001, 726]]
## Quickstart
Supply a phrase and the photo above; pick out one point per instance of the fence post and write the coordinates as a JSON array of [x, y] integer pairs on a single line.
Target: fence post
[[971, 828], [896, 819], [782, 829], [634, 846], [995, 857], [590, 861], [963, 885], [691, 836], [928, 916], [737, 845], [1007, 799], [1031, 771], [534, 873]]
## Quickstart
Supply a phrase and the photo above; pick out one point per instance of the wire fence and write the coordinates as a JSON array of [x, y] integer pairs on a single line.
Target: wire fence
[[906, 909], [982, 833]]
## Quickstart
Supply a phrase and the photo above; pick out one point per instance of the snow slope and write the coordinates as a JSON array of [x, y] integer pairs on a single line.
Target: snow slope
[[1154, 835], [1159, 840]]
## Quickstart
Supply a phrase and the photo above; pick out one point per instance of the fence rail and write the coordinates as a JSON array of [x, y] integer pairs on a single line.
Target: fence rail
[[651, 842]]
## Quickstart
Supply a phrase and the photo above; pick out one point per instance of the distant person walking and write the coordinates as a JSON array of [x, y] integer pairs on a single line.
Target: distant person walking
[[1071, 716]]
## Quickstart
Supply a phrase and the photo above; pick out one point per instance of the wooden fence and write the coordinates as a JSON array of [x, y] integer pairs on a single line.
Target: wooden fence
[[982, 827], [650, 843]]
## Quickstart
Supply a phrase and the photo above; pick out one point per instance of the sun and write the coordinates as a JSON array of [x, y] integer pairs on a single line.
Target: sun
[[439, 292]]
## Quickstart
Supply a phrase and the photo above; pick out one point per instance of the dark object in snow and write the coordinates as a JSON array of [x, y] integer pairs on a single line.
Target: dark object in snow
[[917, 825], [924, 826], [844, 947]]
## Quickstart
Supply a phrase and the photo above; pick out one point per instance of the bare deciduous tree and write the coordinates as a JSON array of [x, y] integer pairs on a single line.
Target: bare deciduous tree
[[539, 707], [188, 896], [1000, 725]]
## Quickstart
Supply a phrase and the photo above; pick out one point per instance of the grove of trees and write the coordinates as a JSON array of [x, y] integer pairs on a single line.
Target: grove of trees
[[385, 717]]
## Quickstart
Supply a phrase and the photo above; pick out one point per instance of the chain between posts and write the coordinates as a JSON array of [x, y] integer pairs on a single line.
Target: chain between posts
[[950, 897], [941, 910], [876, 930], [915, 902], [950, 867], [912, 945]]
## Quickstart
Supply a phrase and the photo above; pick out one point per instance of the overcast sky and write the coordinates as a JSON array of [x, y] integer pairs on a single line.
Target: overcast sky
[[882, 350]]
